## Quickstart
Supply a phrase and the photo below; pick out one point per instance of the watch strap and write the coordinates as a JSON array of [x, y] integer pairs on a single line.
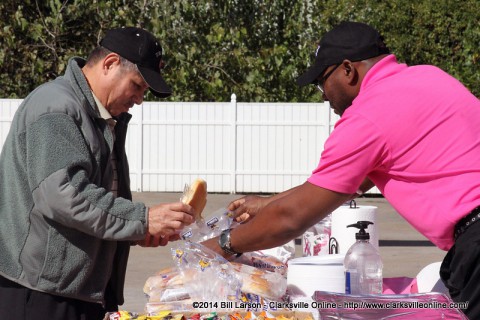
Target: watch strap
[[226, 245]]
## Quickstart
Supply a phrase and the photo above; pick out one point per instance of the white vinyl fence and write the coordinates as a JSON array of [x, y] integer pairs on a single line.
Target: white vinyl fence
[[236, 147]]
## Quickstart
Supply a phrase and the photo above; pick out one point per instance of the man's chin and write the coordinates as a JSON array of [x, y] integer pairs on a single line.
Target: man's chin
[[125, 110], [338, 111]]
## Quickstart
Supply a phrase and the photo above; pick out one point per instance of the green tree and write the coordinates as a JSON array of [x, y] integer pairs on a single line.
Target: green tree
[[253, 48], [38, 37]]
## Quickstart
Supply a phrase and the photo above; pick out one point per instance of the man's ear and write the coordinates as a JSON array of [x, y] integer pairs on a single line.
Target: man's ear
[[350, 72], [110, 61]]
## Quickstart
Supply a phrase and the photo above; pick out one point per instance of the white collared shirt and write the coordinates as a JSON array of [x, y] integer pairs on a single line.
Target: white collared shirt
[[111, 124]]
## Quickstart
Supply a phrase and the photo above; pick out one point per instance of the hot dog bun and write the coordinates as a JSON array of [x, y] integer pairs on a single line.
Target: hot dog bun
[[196, 196], [263, 283]]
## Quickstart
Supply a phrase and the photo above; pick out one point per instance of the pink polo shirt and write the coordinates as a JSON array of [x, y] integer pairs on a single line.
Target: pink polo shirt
[[415, 132]]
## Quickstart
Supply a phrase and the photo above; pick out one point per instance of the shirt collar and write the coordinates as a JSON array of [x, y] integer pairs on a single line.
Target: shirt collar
[[382, 69], [103, 111]]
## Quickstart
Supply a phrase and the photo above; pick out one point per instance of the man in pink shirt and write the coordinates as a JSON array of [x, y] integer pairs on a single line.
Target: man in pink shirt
[[414, 132]]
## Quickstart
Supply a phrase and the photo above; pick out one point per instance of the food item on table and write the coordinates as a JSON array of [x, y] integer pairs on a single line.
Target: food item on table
[[121, 315], [255, 281], [168, 278], [263, 283], [274, 259], [269, 263], [168, 295], [195, 195], [163, 315]]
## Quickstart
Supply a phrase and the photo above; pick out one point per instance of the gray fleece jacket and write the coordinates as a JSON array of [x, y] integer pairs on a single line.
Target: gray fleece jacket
[[61, 231]]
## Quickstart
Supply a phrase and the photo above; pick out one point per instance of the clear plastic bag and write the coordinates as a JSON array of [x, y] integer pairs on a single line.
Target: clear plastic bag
[[203, 230], [202, 275], [210, 276], [274, 259], [165, 278], [266, 284], [168, 295]]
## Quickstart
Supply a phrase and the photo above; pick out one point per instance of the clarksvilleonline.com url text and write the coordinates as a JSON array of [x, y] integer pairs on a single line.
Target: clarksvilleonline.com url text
[[390, 305]]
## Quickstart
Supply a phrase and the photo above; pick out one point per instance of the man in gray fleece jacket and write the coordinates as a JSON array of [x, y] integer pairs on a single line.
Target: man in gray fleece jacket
[[67, 219]]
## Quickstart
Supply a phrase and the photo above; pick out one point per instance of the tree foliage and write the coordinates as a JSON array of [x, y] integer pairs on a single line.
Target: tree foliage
[[253, 48]]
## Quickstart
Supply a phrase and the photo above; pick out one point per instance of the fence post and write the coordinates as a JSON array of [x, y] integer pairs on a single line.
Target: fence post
[[233, 144], [140, 152]]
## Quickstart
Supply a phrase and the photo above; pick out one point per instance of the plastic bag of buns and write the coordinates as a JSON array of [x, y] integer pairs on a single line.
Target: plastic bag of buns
[[169, 287], [202, 275], [165, 278], [167, 294], [263, 283], [274, 259], [199, 275], [207, 276]]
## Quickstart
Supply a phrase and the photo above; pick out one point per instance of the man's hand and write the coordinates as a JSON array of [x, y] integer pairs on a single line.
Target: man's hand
[[247, 207], [167, 219], [151, 241]]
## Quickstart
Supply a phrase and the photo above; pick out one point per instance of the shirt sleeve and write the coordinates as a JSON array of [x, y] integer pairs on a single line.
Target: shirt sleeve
[[354, 150]]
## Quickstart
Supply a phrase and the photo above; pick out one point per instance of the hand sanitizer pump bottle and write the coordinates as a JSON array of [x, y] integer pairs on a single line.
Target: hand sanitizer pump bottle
[[363, 264]]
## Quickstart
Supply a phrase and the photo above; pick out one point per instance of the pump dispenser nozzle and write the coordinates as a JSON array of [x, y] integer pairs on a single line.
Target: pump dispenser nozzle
[[362, 225], [363, 264]]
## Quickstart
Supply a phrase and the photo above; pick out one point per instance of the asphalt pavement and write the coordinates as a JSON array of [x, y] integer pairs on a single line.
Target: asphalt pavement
[[404, 251]]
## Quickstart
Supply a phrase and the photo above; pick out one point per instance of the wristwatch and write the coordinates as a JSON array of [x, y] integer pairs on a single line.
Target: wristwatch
[[225, 244]]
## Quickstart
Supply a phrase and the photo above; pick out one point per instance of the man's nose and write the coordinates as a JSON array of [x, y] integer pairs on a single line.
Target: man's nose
[[139, 98]]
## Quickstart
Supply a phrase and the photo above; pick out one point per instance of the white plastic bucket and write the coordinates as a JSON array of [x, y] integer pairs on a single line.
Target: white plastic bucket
[[316, 273]]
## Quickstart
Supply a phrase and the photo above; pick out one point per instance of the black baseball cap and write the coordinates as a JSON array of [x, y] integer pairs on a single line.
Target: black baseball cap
[[143, 49], [354, 41]]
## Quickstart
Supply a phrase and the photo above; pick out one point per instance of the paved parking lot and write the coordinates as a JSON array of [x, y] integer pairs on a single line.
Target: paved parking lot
[[404, 251]]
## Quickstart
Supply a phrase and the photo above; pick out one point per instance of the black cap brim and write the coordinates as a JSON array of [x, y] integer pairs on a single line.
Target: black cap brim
[[157, 85], [311, 75]]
